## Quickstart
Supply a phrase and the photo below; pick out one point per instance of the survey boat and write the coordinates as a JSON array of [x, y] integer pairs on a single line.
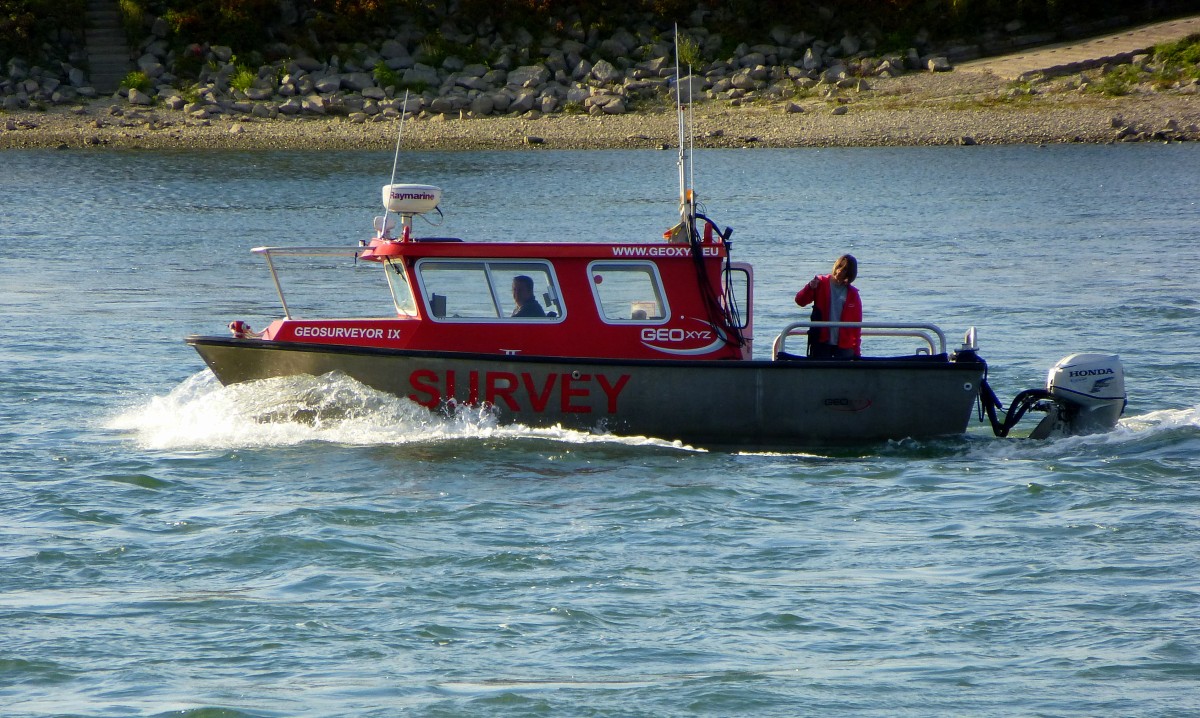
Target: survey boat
[[631, 338]]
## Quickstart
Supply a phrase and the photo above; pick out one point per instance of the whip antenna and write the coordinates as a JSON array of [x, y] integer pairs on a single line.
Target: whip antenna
[[686, 133], [396, 158]]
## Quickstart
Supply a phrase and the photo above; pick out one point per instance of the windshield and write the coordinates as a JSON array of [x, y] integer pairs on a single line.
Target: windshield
[[402, 295]]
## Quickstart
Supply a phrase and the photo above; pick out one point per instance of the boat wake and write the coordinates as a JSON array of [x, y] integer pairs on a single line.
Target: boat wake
[[200, 413], [1159, 431]]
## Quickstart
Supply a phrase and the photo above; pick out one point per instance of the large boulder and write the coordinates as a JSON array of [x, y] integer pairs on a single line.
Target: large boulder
[[482, 105], [393, 49], [327, 84], [604, 72], [312, 105], [137, 97], [581, 71], [812, 59], [528, 76], [421, 75], [938, 63], [357, 81], [442, 105], [744, 79], [523, 102]]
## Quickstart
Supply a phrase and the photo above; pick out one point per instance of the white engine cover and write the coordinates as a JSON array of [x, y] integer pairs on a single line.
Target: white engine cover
[[411, 198], [1089, 380]]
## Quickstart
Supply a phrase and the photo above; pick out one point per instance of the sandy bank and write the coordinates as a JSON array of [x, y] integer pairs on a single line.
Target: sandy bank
[[920, 109]]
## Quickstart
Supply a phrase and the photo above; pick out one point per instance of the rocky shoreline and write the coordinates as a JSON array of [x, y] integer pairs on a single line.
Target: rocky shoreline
[[920, 109], [795, 91]]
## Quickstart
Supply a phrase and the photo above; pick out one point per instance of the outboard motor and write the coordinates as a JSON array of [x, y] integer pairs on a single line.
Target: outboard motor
[[1086, 396]]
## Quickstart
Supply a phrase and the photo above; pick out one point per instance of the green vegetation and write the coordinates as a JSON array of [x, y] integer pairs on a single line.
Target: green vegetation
[[133, 20], [243, 79], [1177, 62], [1183, 52], [136, 80], [25, 25], [386, 76], [261, 29], [1119, 81], [250, 24], [689, 51]]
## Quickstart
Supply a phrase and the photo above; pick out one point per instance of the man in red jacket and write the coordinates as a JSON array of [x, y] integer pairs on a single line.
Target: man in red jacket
[[833, 299]]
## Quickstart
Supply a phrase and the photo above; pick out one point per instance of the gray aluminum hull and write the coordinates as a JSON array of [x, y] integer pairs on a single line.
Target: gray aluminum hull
[[763, 404]]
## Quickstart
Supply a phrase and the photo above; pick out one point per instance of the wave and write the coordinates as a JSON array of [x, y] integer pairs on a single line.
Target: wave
[[1154, 432], [200, 413]]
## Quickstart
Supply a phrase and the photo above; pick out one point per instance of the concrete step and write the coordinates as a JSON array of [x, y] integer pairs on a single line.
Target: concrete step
[[97, 61], [102, 36]]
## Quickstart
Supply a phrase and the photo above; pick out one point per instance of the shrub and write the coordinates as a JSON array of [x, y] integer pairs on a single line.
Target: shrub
[[243, 78], [1119, 81], [385, 76], [1182, 52], [132, 20], [136, 80], [25, 25], [689, 52]]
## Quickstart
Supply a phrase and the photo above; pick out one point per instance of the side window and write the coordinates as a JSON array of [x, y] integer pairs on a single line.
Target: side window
[[739, 286], [531, 284], [628, 292], [490, 290], [458, 290]]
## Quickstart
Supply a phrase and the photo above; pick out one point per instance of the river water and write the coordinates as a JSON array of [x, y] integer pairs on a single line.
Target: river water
[[306, 547]]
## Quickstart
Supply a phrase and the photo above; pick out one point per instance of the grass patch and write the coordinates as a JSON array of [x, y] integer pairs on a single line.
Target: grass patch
[[415, 88], [385, 76], [1178, 62], [243, 78], [1120, 81], [136, 80], [1181, 52]]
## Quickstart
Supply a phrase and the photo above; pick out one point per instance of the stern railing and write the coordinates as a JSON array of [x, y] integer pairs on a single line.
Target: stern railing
[[927, 332]]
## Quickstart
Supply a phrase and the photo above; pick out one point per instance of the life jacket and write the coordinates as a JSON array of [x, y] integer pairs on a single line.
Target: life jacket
[[848, 338]]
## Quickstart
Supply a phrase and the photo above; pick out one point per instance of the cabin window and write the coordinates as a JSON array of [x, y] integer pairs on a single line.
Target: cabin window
[[402, 295], [628, 292], [475, 290], [739, 289]]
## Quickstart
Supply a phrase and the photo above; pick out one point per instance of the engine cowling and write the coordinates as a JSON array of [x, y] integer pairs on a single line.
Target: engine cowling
[[1087, 393]]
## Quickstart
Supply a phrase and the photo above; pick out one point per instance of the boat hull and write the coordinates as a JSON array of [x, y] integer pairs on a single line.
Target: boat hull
[[760, 404]]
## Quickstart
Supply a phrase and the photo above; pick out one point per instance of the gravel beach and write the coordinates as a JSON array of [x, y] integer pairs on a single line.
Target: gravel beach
[[959, 107]]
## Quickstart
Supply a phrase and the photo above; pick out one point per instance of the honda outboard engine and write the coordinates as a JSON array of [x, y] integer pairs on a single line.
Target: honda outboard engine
[[1086, 395]]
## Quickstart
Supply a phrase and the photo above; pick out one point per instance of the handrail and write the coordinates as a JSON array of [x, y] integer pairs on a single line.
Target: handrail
[[267, 252], [890, 329], [310, 251]]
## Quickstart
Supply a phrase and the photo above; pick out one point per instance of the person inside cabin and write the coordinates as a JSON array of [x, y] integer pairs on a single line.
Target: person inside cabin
[[833, 299], [527, 304]]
